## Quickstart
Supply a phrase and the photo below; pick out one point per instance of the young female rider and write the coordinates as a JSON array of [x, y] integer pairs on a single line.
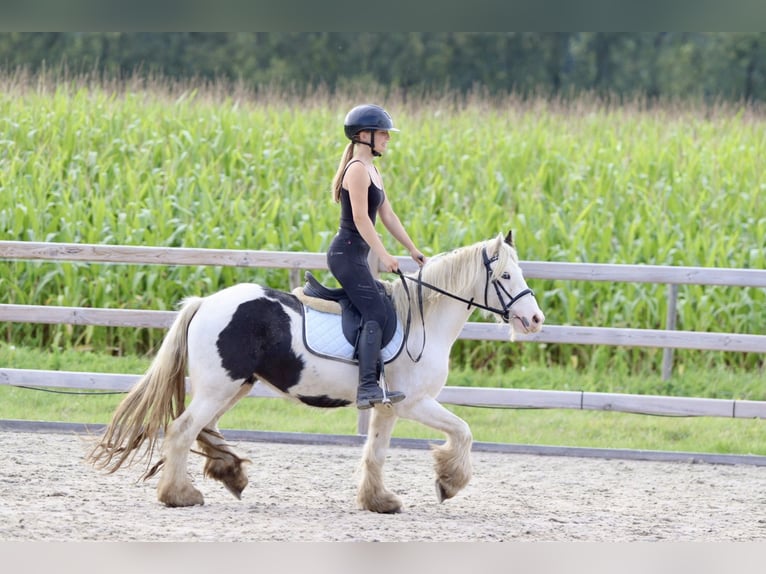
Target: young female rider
[[358, 187]]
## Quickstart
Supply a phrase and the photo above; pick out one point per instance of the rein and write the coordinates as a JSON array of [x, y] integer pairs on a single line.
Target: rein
[[420, 284], [504, 312]]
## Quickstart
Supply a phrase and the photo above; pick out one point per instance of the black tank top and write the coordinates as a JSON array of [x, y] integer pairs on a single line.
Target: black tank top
[[375, 198]]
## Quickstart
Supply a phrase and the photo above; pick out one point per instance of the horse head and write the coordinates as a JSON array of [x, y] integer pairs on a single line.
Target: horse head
[[506, 289]]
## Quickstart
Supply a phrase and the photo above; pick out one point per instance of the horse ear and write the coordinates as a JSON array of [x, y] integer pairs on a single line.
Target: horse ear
[[509, 238], [494, 245]]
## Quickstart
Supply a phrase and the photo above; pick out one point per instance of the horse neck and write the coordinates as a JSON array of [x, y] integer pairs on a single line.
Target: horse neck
[[444, 316]]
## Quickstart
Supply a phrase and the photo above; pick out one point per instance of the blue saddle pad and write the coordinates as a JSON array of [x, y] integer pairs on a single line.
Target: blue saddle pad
[[323, 336]]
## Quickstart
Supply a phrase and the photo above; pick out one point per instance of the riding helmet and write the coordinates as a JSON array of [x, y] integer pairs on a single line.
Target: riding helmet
[[367, 117]]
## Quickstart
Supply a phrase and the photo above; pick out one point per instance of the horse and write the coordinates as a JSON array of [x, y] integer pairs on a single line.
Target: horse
[[246, 333]]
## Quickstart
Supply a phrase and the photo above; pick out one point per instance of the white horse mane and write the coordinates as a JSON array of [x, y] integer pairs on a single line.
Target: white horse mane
[[455, 271]]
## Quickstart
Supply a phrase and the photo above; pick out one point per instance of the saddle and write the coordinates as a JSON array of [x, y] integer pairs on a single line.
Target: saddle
[[351, 318]]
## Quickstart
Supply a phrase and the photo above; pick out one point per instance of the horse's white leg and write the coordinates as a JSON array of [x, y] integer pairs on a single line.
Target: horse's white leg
[[452, 459], [372, 494], [174, 487], [223, 463]]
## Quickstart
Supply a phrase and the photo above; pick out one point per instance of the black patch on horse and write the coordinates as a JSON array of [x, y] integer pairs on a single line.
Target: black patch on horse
[[257, 342], [287, 299], [323, 401]]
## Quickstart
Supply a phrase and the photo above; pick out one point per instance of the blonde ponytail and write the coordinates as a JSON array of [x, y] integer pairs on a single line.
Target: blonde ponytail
[[337, 181]]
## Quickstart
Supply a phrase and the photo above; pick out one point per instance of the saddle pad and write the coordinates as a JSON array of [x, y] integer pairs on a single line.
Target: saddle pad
[[323, 335]]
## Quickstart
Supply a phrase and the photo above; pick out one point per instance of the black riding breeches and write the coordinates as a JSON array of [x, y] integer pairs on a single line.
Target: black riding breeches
[[347, 260]]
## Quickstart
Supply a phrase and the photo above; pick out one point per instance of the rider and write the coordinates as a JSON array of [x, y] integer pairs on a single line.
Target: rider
[[358, 187]]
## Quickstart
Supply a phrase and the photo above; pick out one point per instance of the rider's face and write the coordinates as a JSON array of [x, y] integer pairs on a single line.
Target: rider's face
[[381, 140]]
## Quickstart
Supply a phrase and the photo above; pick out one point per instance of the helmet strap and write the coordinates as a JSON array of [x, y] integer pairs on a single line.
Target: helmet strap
[[371, 143]]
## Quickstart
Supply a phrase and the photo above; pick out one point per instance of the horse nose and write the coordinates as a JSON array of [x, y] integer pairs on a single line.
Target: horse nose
[[538, 318]]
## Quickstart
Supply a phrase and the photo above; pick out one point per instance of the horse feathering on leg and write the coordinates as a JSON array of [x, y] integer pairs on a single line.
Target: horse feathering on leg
[[248, 333]]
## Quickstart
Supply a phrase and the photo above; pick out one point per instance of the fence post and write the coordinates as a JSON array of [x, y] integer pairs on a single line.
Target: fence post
[[295, 278], [670, 324]]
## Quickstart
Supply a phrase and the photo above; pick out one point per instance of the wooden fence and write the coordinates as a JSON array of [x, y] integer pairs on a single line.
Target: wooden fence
[[667, 339]]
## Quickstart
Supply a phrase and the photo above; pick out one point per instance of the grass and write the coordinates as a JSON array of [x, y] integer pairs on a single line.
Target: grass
[[547, 427]]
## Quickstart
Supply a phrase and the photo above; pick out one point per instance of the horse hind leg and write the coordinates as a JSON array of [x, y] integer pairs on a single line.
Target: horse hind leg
[[175, 487], [223, 463]]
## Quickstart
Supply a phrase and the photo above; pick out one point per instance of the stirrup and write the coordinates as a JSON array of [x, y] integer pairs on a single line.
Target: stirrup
[[386, 400], [386, 397]]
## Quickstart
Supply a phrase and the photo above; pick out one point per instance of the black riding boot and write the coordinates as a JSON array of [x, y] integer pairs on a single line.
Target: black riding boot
[[369, 392]]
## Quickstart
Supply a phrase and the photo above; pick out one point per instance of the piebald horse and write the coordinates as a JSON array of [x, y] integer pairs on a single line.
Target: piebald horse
[[247, 333]]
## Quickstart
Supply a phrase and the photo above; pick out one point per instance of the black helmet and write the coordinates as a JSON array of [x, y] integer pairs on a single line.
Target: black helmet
[[367, 117]]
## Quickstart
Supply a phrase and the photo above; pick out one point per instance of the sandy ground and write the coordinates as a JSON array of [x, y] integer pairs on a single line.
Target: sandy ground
[[307, 493]]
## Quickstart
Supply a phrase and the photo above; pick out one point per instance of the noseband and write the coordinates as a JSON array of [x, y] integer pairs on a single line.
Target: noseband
[[506, 302]]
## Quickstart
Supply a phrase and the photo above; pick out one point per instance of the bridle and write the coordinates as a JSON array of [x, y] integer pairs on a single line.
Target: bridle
[[506, 299], [505, 312]]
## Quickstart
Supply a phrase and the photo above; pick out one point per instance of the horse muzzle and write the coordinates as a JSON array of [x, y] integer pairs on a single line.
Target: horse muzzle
[[527, 325]]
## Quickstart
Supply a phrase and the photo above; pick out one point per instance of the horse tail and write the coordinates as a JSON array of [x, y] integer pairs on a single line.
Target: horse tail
[[156, 400]]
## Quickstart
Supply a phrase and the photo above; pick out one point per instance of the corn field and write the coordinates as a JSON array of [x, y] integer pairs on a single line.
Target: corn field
[[579, 181]]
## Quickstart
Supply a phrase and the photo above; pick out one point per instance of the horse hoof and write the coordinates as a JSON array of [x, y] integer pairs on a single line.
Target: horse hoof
[[441, 492], [386, 503], [237, 492], [235, 482], [231, 475], [390, 507], [187, 496]]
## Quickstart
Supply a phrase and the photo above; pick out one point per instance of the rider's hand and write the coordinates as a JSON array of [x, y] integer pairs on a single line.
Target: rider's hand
[[418, 257], [390, 263]]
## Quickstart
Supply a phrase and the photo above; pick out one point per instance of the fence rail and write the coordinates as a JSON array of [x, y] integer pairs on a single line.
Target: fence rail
[[305, 260], [652, 338], [667, 339], [454, 395]]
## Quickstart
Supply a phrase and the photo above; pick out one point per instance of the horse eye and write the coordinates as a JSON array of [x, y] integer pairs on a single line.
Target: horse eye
[[506, 275]]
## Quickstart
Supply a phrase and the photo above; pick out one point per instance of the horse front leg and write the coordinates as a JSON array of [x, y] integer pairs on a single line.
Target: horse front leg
[[372, 494], [452, 460]]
